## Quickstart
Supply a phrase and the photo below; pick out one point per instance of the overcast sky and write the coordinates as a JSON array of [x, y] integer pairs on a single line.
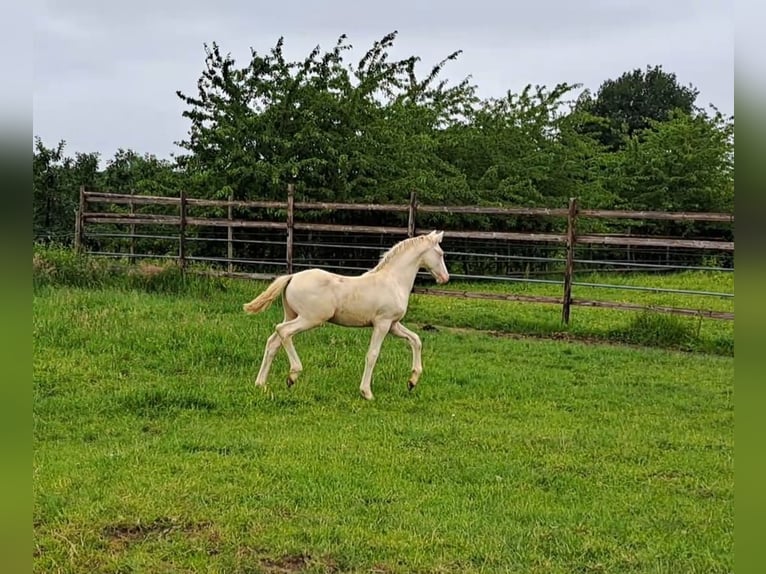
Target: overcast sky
[[105, 73]]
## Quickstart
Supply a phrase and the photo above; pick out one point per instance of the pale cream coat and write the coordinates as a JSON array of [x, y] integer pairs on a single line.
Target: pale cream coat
[[377, 299]]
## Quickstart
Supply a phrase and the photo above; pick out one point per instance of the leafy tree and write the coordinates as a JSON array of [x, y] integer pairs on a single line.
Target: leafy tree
[[373, 130], [342, 131], [633, 102], [524, 149], [57, 178], [683, 164], [131, 172], [56, 181]]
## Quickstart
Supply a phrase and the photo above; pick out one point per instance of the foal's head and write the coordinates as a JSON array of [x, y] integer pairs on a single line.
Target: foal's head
[[433, 257]]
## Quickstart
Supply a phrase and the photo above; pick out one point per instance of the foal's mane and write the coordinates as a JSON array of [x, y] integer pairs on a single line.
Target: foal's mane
[[401, 247]]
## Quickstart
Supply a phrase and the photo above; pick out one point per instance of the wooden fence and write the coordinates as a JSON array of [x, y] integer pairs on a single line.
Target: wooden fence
[[569, 239]]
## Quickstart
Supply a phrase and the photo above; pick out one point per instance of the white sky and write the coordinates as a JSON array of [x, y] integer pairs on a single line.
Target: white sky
[[106, 73]]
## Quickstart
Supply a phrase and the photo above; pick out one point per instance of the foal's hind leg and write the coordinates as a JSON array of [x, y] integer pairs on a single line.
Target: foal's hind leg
[[286, 331], [272, 346], [295, 363]]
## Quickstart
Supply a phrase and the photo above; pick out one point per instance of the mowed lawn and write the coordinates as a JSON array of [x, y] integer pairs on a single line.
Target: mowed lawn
[[153, 451]]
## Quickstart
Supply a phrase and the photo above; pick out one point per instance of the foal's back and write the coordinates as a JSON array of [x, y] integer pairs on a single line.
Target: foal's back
[[357, 301]]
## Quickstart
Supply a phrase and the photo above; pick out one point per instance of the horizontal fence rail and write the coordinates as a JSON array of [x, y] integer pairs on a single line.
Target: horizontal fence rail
[[282, 236]]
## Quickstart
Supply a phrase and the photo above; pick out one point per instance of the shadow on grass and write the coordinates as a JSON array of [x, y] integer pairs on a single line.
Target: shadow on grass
[[160, 402]]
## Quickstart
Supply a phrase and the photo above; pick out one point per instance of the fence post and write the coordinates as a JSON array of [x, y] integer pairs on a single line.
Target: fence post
[[79, 232], [569, 268], [182, 233], [132, 230], [412, 212], [290, 225], [230, 234]]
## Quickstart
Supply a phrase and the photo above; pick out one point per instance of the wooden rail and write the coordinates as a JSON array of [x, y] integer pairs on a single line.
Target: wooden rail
[[569, 239]]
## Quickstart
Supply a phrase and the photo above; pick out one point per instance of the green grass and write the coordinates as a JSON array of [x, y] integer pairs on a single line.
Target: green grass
[[153, 452], [621, 326], [649, 328]]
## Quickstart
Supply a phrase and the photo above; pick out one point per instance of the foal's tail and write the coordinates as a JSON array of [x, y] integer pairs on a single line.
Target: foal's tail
[[264, 300]]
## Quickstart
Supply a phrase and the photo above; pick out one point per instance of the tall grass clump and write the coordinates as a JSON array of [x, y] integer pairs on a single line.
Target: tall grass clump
[[63, 267], [658, 330], [652, 329]]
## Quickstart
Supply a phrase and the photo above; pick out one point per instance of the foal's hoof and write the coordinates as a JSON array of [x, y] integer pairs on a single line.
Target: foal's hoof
[[290, 382], [410, 385], [366, 396]]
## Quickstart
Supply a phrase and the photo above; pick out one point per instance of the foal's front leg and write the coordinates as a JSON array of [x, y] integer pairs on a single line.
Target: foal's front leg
[[400, 330], [379, 331]]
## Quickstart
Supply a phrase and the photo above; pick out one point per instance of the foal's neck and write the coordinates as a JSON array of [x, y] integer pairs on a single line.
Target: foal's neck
[[404, 269]]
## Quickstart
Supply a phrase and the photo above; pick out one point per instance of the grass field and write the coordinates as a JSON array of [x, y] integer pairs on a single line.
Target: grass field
[[639, 327], [153, 452]]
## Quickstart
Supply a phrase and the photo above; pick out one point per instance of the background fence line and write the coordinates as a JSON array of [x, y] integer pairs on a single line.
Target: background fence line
[[567, 241]]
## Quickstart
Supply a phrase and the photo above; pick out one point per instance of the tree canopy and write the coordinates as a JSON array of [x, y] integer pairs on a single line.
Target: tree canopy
[[373, 130]]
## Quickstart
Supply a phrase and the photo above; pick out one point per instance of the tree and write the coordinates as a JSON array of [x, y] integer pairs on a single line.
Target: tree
[[361, 131], [685, 163], [633, 102], [56, 180], [130, 172], [373, 130], [525, 149]]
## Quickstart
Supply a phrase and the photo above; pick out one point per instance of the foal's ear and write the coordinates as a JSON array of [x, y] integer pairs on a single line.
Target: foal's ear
[[438, 235]]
